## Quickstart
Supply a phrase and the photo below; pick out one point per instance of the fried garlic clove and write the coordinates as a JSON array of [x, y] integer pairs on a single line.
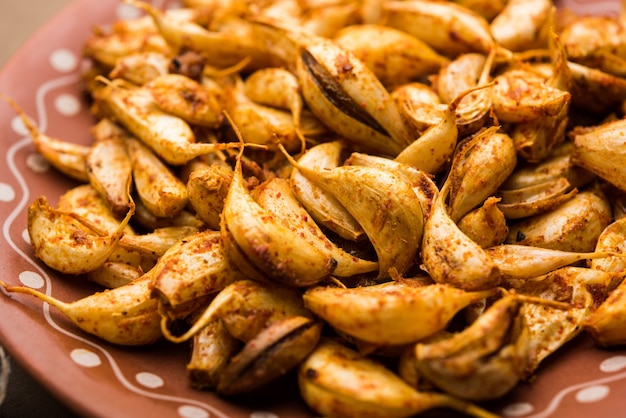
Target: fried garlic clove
[[432, 151], [597, 42], [419, 105], [230, 44], [532, 200], [407, 367], [276, 87], [85, 201], [488, 9], [110, 173], [522, 25], [238, 258], [573, 226], [519, 262], [584, 35], [596, 91], [146, 219], [394, 56], [272, 247], [609, 61], [551, 327], [329, 19], [485, 225], [276, 196], [611, 240], [67, 157], [422, 183], [555, 166], [157, 242], [384, 204], [68, 242], [211, 349], [207, 188], [459, 74], [131, 258], [191, 268], [276, 350], [535, 140], [112, 274], [347, 97], [448, 28], [140, 67], [601, 151], [521, 96], [106, 129], [122, 265], [337, 381], [254, 306], [451, 257], [288, 13], [262, 124], [188, 99], [391, 313], [479, 167], [466, 76], [123, 40], [126, 315], [246, 307], [321, 205], [485, 360], [561, 77], [169, 136], [162, 193], [607, 323]]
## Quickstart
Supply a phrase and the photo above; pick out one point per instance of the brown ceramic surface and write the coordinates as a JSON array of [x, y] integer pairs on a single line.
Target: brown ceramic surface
[[97, 379]]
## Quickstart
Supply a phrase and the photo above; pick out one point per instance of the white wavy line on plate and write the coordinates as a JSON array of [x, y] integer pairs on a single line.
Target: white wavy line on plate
[[12, 151], [21, 204], [556, 400], [10, 159], [40, 97]]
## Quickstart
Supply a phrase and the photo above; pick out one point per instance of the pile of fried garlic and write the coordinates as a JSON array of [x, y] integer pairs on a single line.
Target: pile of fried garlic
[[407, 203]]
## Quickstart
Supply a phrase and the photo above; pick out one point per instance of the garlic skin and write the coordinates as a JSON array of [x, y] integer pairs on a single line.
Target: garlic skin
[[485, 360], [391, 313], [602, 151], [573, 226]]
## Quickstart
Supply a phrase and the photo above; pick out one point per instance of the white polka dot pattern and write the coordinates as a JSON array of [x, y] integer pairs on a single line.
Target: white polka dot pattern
[[63, 60], [592, 394], [7, 193], [613, 364], [149, 380], [67, 105], [26, 236], [518, 409], [31, 279], [85, 358], [190, 411], [37, 163], [18, 126]]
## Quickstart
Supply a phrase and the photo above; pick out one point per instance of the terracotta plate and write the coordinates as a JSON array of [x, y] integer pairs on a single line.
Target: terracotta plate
[[96, 379]]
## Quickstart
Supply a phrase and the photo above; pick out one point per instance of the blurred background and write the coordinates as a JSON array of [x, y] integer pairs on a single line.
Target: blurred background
[[19, 19]]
